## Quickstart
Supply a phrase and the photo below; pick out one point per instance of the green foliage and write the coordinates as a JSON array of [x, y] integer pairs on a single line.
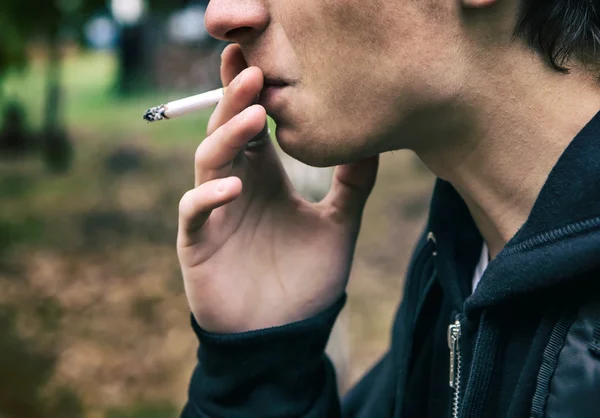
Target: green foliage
[[22, 21], [12, 52], [19, 22], [159, 410], [15, 232], [92, 105]]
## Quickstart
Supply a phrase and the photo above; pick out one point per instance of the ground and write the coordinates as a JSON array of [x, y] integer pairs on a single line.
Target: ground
[[90, 288]]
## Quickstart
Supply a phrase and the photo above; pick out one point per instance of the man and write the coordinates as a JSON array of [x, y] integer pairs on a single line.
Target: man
[[499, 99]]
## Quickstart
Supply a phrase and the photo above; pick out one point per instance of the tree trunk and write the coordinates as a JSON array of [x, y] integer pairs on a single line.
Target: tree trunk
[[57, 150], [132, 58]]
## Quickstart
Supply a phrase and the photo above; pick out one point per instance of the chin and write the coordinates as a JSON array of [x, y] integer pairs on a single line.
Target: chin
[[317, 151]]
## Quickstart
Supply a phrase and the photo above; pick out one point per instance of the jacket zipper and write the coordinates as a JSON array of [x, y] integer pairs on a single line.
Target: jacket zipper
[[454, 332]]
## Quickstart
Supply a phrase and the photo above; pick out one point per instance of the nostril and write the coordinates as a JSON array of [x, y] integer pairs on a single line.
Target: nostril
[[238, 34], [227, 20]]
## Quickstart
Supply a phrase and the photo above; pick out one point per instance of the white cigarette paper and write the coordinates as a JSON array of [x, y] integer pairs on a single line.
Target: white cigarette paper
[[191, 104], [184, 106]]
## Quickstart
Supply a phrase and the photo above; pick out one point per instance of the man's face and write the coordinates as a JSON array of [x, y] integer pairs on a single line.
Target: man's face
[[360, 76]]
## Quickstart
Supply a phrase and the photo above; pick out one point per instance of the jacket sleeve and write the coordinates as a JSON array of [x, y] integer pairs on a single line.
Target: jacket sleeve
[[373, 395], [568, 383], [274, 372]]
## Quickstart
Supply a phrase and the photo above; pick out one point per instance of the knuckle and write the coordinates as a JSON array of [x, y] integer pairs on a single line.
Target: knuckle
[[200, 156]]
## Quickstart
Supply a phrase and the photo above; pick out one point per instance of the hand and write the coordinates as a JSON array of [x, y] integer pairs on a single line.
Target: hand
[[253, 253]]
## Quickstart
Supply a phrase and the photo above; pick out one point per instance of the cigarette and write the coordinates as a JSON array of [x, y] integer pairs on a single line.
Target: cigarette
[[184, 106], [200, 101]]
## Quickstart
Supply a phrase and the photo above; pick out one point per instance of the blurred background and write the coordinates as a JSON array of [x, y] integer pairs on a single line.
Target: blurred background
[[93, 316]]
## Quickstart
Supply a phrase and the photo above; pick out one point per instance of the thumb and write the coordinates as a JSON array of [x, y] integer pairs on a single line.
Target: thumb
[[352, 184]]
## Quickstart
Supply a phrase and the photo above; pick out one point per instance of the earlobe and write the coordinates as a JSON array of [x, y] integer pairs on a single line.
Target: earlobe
[[478, 3]]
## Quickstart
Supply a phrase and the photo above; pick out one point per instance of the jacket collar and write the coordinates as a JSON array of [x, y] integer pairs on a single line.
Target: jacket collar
[[559, 242]]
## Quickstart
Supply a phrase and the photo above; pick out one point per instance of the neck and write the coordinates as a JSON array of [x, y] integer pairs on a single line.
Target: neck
[[519, 125]]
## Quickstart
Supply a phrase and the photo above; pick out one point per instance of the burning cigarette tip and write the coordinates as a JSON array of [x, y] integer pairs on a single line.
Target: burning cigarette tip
[[184, 106], [155, 113]]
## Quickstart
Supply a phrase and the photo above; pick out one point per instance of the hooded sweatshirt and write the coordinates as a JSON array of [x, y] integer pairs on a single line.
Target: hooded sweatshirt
[[525, 343]]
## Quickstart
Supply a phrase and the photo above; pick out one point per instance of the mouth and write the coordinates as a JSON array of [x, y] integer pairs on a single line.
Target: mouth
[[274, 82], [272, 96]]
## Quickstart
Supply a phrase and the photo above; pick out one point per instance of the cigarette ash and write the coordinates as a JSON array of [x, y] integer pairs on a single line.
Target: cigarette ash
[[155, 113]]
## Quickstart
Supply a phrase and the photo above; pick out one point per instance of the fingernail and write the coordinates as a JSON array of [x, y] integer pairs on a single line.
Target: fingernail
[[240, 77]]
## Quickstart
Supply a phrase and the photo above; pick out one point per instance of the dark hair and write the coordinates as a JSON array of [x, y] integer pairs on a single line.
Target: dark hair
[[562, 30]]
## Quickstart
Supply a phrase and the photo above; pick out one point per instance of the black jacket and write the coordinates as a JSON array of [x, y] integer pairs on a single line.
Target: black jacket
[[526, 343]]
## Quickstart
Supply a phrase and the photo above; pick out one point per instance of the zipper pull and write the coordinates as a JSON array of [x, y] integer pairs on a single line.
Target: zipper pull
[[431, 238], [453, 337]]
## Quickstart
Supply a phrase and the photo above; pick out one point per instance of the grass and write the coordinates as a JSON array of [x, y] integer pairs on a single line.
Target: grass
[[160, 410], [91, 104]]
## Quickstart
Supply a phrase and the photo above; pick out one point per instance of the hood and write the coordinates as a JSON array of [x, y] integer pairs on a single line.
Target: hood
[[558, 244]]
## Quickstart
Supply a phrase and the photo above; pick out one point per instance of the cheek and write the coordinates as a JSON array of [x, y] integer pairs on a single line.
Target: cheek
[[343, 57], [359, 71], [330, 34], [358, 22]]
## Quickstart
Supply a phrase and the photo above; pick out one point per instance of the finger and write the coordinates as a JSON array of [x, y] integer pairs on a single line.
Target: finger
[[215, 154], [352, 184], [232, 63], [240, 94], [197, 204]]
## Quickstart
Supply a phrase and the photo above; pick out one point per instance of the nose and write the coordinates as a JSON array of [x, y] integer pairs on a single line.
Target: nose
[[236, 20]]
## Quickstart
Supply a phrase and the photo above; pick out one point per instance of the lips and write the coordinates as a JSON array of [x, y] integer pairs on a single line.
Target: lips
[[274, 95], [274, 82]]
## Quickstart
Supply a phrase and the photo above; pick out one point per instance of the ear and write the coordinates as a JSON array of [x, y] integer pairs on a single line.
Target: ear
[[477, 3]]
